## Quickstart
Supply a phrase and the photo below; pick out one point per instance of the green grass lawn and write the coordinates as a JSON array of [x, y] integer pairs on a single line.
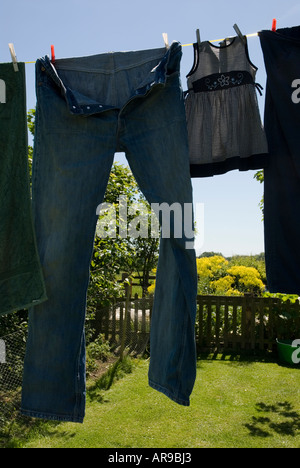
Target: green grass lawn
[[235, 404]]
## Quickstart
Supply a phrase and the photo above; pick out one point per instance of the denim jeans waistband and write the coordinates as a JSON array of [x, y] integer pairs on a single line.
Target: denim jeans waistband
[[114, 70]]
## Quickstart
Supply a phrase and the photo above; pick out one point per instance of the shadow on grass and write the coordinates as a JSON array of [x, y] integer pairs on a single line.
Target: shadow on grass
[[245, 358], [237, 357], [280, 418], [118, 370], [19, 430]]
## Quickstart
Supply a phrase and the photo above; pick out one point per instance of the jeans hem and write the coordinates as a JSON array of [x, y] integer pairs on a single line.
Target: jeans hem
[[159, 388], [52, 417]]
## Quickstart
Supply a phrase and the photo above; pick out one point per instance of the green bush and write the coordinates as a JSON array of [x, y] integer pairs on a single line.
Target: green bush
[[99, 349]]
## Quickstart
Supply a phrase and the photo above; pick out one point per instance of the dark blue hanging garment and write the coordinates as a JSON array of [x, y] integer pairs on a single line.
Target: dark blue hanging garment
[[281, 50]]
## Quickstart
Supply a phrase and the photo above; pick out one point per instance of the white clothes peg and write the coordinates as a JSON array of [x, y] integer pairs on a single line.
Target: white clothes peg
[[166, 41], [13, 56]]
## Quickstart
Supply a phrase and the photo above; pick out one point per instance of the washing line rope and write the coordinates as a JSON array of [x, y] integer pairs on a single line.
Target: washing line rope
[[189, 45], [223, 39]]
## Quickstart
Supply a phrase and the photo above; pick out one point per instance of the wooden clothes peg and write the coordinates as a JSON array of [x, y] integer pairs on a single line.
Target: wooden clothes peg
[[13, 56], [239, 33], [166, 41]]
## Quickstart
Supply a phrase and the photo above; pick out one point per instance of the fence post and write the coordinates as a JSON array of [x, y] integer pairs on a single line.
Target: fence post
[[226, 325], [234, 324], [200, 316], [208, 325], [248, 311], [125, 323], [218, 322], [127, 284]]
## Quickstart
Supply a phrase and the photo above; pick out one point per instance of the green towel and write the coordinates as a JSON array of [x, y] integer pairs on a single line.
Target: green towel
[[21, 278]]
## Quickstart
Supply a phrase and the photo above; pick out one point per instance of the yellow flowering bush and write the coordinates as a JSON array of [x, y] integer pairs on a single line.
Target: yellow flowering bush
[[238, 281], [210, 266], [218, 276]]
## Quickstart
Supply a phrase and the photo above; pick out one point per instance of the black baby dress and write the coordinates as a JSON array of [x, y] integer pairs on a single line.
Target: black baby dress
[[225, 130]]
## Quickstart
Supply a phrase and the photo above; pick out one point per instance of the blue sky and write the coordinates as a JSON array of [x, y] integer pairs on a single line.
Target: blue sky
[[232, 219]]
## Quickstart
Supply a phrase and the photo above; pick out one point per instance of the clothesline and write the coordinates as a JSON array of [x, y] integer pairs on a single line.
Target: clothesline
[[188, 45], [223, 39]]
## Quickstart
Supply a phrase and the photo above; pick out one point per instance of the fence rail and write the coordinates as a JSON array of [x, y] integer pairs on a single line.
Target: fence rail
[[223, 323]]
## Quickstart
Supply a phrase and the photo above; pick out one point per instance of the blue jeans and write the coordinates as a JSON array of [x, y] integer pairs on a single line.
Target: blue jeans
[[88, 109]]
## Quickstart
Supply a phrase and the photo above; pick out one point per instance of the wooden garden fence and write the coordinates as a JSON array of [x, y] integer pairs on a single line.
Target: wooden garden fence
[[223, 323], [130, 318], [237, 323]]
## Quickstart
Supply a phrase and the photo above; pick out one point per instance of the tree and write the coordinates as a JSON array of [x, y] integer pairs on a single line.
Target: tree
[[259, 176], [116, 253], [210, 254], [31, 128]]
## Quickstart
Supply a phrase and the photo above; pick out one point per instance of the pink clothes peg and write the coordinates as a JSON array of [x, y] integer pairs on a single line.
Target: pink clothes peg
[[52, 54]]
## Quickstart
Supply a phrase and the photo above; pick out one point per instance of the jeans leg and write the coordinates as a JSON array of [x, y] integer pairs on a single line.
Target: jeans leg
[[71, 170], [157, 151]]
